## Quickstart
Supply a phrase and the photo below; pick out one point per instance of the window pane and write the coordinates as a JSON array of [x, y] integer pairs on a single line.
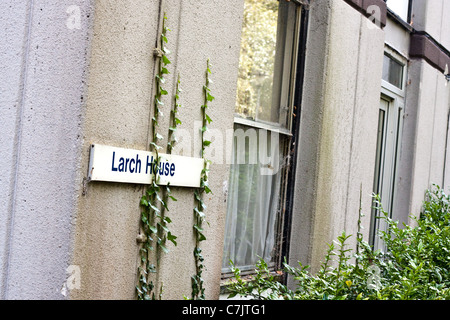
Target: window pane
[[393, 72], [265, 61], [378, 166], [253, 197], [400, 7]]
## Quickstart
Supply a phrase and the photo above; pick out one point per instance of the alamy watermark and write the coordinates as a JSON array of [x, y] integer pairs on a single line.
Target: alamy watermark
[[73, 20], [375, 16], [73, 280], [373, 281], [249, 146]]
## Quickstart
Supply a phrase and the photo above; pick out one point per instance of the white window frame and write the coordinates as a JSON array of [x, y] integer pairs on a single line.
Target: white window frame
[[399, 7], [390, 148]]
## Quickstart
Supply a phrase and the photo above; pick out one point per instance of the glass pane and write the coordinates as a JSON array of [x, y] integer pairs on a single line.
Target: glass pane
[[378, 169], [380, 139], [399, 7], [253, 197], [393, 72], [265, 61]]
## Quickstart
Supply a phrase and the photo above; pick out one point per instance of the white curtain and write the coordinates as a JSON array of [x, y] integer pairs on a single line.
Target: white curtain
[[253, 197]]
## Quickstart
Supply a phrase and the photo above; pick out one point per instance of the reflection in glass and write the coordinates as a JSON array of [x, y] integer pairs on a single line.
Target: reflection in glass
[[265, 61], [392, 72]]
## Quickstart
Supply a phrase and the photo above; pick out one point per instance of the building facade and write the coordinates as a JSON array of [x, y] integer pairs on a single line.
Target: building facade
[[312, 107]]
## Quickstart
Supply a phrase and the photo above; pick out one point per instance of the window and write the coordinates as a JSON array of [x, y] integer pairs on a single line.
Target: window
[[390, 122], [392, 72], [400, 8], [262, 131]]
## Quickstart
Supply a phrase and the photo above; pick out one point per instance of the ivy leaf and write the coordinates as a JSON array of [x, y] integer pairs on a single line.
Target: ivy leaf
[[198, 228], [172, 238], [173, 198], [155, 145], [144, 201], [163, 227], [165, 60], [201, 237], [177, 121], [153, 229], [154, 208], [208, 118], [163, 92], [200, 213], [163, 247], [209, 97], [206, 143], [167, 220], [160, 79], [164, 70], [164, 204], [197, 196]]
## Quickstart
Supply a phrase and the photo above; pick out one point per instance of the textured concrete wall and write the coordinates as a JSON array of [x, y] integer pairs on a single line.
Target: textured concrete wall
[[119, 109], [423, 150], [425, 136], [42, 86], [397, 37], [49, 118], [338, 128], [432, 16]]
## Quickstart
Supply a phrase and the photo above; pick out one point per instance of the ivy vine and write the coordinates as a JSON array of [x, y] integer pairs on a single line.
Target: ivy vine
[[154, 222], [198, 290]]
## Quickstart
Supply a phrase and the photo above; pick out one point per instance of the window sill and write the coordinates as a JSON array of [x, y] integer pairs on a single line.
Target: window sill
[[396, 18], [226, 282]]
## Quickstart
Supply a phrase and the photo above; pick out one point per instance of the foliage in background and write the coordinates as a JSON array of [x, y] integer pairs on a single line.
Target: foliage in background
[[414, 266], [257, 57]]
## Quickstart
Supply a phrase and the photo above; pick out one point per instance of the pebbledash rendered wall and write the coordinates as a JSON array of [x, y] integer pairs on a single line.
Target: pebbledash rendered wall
[[78, 72], [119, 107], [44, 61], [425, 159], [81, 72], [337, 137], [341, 97]]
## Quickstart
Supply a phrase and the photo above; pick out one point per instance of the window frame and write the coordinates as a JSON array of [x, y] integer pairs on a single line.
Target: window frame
[[395, 112], [398, 15], [286, 133]]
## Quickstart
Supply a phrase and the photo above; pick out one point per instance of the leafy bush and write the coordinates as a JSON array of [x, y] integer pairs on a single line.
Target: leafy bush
[[415, 264]]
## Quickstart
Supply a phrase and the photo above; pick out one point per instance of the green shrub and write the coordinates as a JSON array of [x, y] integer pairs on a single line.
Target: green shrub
[[415, 264]]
